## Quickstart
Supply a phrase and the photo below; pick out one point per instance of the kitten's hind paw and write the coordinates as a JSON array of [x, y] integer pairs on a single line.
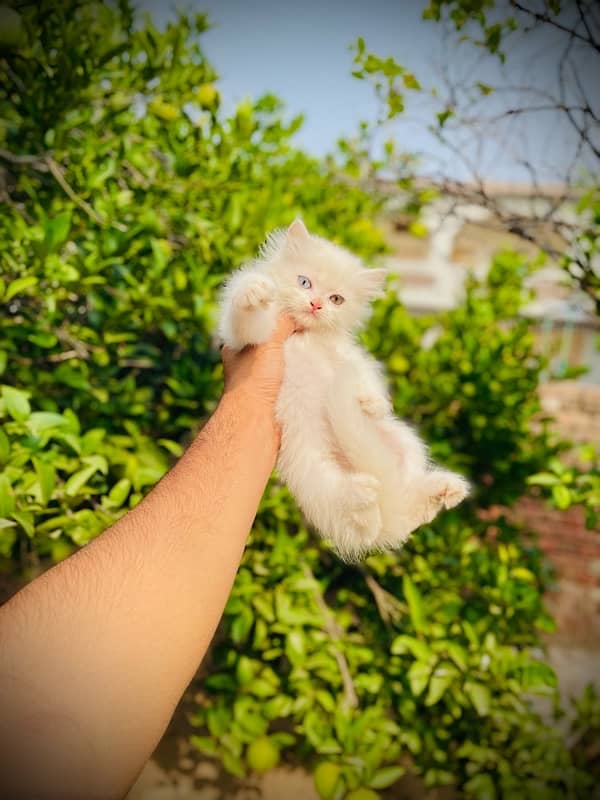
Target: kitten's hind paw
[[362, 490], [361, 515], [447, 488], [258, 294]]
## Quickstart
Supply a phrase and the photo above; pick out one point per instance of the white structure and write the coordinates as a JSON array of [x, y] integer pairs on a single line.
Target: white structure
[[462, 237]]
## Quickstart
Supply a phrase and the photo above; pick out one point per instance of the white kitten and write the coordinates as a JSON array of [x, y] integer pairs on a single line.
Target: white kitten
[[360, 475]]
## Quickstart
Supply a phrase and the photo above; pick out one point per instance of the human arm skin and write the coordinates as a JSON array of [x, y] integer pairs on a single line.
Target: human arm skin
[[96, 653]]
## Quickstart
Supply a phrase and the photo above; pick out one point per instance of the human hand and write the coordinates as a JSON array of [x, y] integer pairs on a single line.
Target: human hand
[[256, 371]]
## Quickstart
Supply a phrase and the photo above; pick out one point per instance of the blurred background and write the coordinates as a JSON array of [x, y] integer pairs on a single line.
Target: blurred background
[[145, 152]]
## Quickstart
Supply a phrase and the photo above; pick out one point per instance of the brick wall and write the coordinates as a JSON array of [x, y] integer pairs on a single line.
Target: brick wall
[[573, 549]]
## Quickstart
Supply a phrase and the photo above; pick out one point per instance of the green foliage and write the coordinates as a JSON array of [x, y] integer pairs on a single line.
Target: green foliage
[[60, 485], [132, 194], [466, 14], [576, 484]]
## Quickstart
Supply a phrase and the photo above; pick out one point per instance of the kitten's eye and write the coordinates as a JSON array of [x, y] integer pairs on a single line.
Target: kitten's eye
[[336, 299], [304, 282]]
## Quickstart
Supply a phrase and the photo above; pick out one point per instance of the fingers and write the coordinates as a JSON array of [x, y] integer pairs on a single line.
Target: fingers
[[284, 328]]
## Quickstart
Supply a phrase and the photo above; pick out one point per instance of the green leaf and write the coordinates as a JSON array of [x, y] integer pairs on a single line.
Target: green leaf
[[8, 537], [403, 644], [78, 480], [481, 787], [418, 677], [41, 421], [561, 496], [294, 647], [441, 679], [479, 695], [118, 493], [47, 478], [410, 81], [16, 403], [386, 777], [25, 520], [7, 500], [543, 479], [204, 744], [4, 448], [415, 603], [458, 654], [18, 285], [56, 230]]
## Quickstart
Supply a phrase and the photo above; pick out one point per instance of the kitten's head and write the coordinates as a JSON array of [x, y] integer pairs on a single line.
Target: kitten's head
[[321, 285]]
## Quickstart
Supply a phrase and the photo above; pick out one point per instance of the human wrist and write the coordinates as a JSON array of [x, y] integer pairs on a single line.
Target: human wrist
[[256, 412]]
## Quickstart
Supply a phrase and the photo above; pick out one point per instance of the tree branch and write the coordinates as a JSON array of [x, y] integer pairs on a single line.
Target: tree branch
[[548, 20]]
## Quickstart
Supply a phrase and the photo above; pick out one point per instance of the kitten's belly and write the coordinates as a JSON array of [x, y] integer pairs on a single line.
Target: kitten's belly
[[308, 375]]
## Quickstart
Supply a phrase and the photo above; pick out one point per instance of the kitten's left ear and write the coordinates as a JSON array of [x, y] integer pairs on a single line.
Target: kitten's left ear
[[372, 281], [297, 231]]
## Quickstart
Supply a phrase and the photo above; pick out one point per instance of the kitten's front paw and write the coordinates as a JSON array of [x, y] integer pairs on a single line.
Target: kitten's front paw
[[374, 406], [258, 294]]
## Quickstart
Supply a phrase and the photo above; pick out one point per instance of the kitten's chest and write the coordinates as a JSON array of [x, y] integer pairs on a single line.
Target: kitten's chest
[[310, 365]]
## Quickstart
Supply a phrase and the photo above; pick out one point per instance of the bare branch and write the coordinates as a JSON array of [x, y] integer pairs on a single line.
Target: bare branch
[[548, 20]]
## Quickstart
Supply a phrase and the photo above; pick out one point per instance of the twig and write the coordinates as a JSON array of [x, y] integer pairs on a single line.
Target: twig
[[55, 358], [390, 609], [60, 179], [38, 161], [335, 633], [546, 18]]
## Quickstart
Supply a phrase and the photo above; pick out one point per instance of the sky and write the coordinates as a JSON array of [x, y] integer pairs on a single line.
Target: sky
[[301, 52]]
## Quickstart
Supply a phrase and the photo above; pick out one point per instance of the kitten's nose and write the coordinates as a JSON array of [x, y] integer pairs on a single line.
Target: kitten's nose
[[315, 305]]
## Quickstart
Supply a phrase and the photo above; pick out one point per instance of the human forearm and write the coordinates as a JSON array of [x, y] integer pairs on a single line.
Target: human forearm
[[115, 633]]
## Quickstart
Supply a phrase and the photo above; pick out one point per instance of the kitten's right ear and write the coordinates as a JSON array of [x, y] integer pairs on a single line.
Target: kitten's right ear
[[297, 231]]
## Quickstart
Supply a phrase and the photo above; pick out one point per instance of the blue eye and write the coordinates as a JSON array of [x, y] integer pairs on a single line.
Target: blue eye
[[304, 282]]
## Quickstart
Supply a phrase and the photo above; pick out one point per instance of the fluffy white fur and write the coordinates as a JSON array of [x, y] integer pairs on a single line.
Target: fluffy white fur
[[361, 476]]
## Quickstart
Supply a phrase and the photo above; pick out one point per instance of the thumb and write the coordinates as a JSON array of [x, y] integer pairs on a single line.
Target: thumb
[[284, 328]]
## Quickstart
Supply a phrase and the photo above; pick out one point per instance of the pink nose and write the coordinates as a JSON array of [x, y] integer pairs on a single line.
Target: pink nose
[[315, 305]]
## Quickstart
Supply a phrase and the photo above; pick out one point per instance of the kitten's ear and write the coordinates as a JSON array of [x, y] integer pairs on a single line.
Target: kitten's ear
[[297, 231], [372, 281]]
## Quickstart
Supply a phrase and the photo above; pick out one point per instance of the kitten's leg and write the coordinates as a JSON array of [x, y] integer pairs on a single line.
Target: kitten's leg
[[418, 492], [342, 505], [249, 309]]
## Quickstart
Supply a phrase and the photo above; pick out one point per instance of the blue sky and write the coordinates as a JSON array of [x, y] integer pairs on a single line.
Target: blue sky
[[300, 51]]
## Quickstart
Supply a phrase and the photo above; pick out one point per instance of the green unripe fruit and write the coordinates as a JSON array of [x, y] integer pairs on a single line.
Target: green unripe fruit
[[244, 118], [262, 755], [12, 32], [163, 110], [326, 779], [207, 96]]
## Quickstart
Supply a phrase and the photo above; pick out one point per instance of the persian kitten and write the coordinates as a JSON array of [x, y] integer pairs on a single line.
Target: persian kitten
[[360, 475]]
